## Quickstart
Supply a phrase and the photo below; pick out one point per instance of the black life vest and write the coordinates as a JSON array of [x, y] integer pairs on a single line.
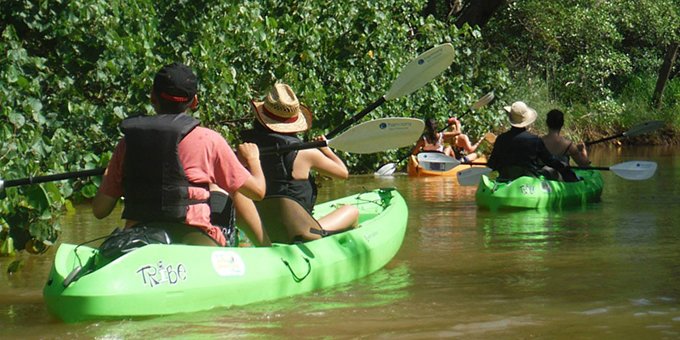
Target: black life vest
[[154, 183], [278, 168]]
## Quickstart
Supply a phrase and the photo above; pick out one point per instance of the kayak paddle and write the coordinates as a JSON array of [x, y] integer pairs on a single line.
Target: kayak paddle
[[631, 170], [415, 74], [372, 136], [485, 100], [368, 137], [470, 177], [436, 161], [636, 130], [389, 168], [50, 178]]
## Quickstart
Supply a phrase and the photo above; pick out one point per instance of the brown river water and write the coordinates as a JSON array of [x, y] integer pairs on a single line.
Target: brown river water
[[610, 270]]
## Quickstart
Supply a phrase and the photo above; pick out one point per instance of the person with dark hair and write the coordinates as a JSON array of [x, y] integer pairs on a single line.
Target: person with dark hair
[[563, 148], [279, 118], [165, 164], [433, 140], [518, 152]]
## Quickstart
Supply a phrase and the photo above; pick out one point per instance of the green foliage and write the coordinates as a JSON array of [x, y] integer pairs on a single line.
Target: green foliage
[[627, 107], [70, 71], [585, 50]]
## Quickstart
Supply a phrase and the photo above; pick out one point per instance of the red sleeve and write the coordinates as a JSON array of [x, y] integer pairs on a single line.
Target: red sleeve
[[229, 173]]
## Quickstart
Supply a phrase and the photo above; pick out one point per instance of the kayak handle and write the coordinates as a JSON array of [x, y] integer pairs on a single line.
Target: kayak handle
[[295, 276], [72, 276]]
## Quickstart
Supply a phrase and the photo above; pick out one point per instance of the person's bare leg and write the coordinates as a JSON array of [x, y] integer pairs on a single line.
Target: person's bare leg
[[249, 220], [449, 152], [341, 218]]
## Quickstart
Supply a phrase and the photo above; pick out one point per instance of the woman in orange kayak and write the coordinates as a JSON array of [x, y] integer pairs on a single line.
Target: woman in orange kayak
[[433, 140]]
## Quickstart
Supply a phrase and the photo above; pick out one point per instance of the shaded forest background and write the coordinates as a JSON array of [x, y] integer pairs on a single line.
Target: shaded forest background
[[70, 71]]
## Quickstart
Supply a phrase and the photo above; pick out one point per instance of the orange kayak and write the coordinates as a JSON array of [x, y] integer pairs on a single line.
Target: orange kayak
[[416, 169]]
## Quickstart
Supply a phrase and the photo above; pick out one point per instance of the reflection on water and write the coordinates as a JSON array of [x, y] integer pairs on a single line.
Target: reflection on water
[[275, 318], [609, 270]]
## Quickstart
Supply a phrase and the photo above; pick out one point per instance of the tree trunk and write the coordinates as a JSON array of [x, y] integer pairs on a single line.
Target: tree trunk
[[664, 74], [478, 12]]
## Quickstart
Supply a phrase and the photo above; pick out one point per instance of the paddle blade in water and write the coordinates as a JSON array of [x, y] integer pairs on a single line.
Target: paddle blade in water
[[386, 170], [436, 157], [421, 70], [379, 135], [635, 170], [472, 176], [436, 161]]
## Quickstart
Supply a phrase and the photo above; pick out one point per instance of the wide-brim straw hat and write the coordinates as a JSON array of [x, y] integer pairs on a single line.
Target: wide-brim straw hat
[[282, 112], [520, 114]]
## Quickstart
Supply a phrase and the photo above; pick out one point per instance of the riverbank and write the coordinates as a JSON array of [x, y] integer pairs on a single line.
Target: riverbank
[[607, 116]]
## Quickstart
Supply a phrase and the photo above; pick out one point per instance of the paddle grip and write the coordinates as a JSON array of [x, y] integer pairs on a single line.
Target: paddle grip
[[278, 149], [569, 167], [355, 118], [589, 167], [605, 139], [56, 177]]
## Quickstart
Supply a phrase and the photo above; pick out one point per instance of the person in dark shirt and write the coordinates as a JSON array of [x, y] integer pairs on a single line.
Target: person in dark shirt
[[519, 152]]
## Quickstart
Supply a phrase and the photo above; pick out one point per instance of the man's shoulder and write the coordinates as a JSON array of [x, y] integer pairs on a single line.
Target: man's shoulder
[[528, 134], [205, 132], [203, 135]]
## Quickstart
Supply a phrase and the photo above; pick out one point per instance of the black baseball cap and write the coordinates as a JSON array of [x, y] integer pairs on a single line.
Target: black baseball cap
[[175, 82]]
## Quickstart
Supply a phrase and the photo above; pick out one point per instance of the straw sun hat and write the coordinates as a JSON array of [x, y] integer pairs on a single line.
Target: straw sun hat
[[520, 114], [282, 112]]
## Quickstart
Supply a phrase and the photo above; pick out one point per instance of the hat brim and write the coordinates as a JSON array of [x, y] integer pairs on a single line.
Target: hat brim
[[528, 121], [302, 123]]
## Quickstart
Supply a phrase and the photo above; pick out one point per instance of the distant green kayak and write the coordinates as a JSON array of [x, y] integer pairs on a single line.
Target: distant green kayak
[[539, 193], [167, 279]]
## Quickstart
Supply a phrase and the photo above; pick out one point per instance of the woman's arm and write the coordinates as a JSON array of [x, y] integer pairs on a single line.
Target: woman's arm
[[323, 160], [579, 154], [255, 186], [419, 145]]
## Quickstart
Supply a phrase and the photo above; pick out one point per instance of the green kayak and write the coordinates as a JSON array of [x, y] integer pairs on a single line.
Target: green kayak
[[538, 193], [166, 279]]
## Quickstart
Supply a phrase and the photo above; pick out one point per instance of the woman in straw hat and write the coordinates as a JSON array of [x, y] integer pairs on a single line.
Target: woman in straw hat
[[518, 152], [279, 118]]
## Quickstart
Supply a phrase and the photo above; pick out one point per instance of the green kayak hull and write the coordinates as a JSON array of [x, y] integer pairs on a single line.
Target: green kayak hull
[[539, 193], [168, 279]]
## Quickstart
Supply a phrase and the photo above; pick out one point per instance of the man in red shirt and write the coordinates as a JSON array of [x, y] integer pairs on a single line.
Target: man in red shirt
[[165, 164]]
